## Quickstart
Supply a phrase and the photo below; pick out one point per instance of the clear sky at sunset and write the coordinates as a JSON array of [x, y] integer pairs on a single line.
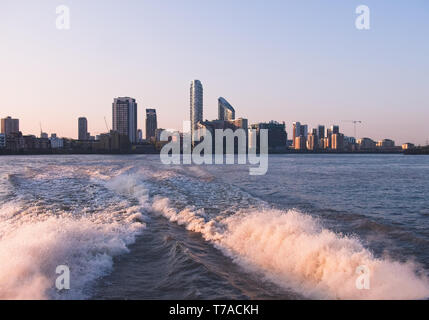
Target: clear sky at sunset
[[272, 60]]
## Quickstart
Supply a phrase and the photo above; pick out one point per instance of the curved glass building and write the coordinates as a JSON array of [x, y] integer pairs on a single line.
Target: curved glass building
[[226, 111], [196, 103]]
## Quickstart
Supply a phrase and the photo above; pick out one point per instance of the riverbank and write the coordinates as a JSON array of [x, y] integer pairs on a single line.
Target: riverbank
[[130, 152]]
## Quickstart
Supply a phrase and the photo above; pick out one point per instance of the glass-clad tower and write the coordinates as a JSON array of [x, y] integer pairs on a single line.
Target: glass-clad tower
[[226, 111], [196, 104]]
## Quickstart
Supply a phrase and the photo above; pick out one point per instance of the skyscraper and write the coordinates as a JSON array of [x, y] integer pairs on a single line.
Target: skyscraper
[[124, 117], [83, 128], [296, 128], [9, 126], [196, 104], [321, 131], [226, 111], [304, 130], [329, 138], [151, 123]]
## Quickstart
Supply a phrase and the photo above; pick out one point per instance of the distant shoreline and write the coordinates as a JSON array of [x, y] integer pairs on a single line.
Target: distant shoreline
[[48, 153]]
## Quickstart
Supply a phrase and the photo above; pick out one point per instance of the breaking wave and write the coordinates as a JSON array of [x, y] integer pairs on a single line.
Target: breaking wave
[[293, 250], [84, 216], [65, 218], [30, 254]]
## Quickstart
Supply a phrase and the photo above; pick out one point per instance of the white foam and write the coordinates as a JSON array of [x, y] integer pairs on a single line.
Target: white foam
[[30, 254], [293, 250], [35, 239]]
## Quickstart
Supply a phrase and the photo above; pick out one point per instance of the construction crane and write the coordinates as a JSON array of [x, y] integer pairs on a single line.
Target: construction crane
[[107, 126], [41, 130], [355, 122]]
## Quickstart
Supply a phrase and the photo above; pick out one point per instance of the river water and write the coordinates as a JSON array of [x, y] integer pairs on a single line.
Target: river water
[[129, 227]]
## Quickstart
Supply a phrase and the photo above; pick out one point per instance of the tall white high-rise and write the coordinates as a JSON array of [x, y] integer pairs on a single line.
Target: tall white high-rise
[[196, 104], [124, 117]]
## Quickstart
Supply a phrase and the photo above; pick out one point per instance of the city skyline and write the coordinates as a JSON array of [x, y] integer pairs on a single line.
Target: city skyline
[[321, 71], [125, 119]]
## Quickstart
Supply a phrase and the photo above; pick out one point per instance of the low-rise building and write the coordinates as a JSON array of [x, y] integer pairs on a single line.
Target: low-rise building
[[111, 142], [15, 142], [407, 146], [386, 144], [300, 143], [241, 123], [32, 143], [366, 144], [277, 136], [56, 143]]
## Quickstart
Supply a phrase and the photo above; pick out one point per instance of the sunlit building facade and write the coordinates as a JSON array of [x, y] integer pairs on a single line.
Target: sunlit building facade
[[9, 126], [337, 142]]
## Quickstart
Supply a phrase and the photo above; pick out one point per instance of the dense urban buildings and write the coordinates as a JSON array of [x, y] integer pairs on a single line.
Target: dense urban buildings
[[233, 125], [9, 126], [124, 117], [151, 124], [196, 104], [125, 137], [277, 136], [226, 120], [225, 110], [241, 123], [83, 129], [312, 143], [300, 135]]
